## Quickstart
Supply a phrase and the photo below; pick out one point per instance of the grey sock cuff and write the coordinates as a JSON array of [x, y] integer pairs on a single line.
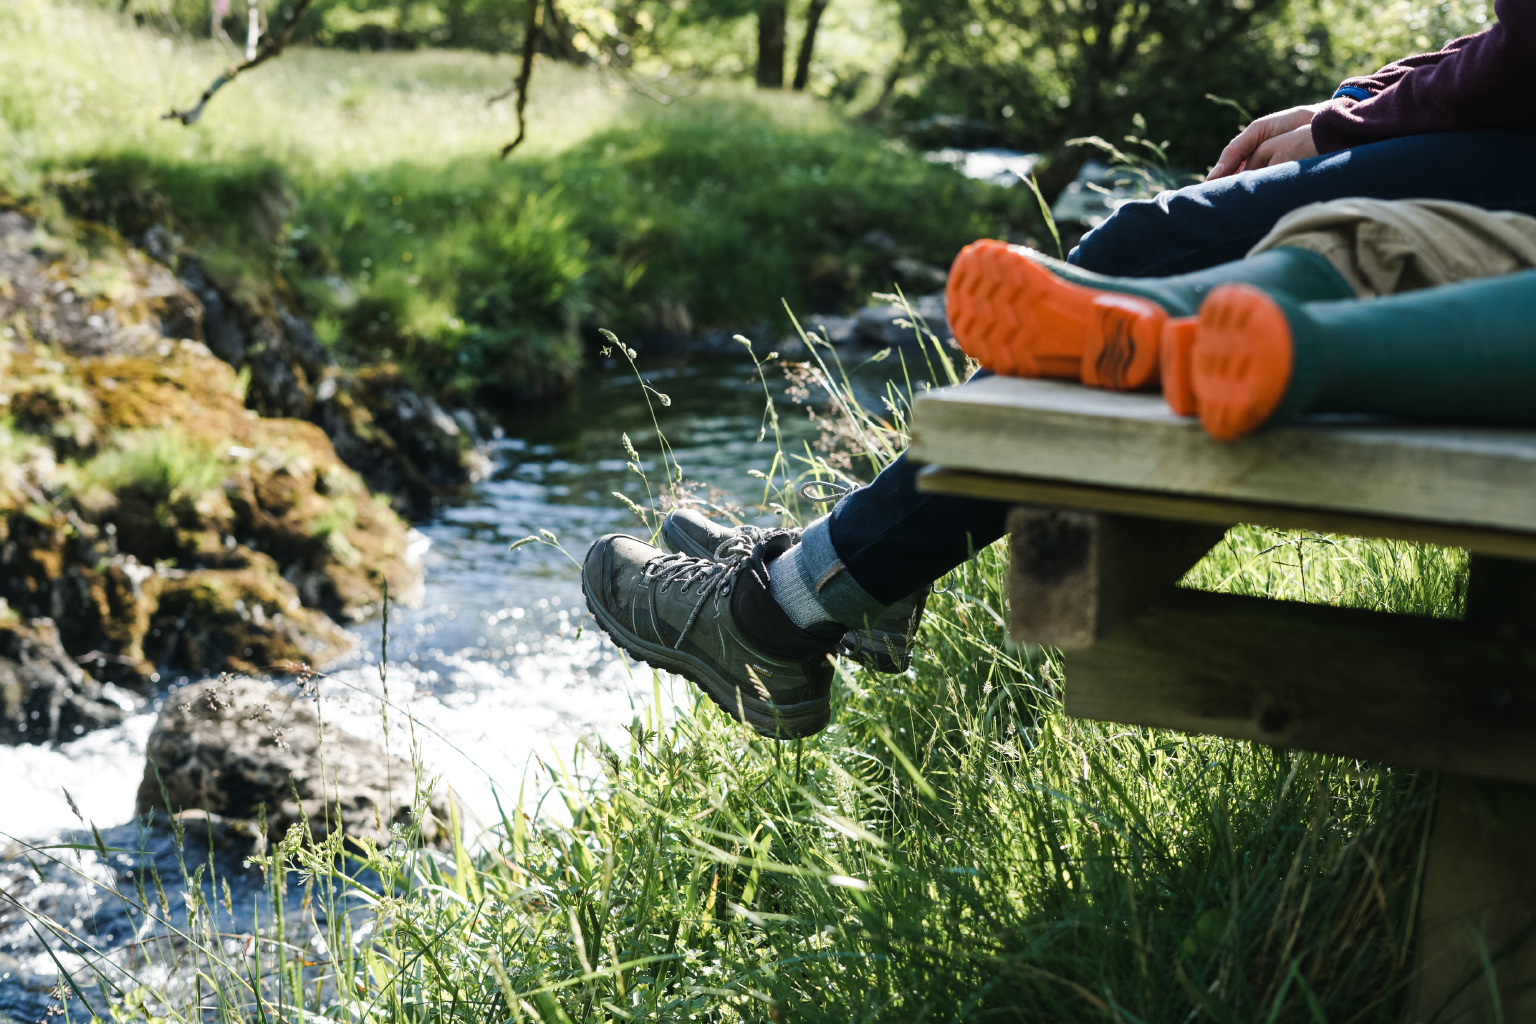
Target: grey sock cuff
[[823, 573]]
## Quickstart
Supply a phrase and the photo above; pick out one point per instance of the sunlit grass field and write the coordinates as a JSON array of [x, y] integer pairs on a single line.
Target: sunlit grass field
[[371, 186], [76, 81]]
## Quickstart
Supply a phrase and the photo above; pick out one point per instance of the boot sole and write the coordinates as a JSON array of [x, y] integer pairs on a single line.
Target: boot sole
[[776, 722], [1177, 352], [1241, 361], [1017, 318]]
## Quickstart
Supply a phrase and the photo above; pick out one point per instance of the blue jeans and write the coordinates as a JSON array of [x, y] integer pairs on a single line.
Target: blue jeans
[[886, 540]]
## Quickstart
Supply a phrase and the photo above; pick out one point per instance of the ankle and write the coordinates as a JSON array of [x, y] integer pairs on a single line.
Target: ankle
[[764, 621], [794, 593]]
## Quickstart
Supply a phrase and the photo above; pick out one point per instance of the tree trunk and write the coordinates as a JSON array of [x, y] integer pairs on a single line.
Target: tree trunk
[[771, 18], [888, 87], [808, 44], [557, 35]]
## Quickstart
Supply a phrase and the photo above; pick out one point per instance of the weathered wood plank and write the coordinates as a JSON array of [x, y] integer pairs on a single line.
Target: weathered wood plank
[[1479, 898], [1221, 511], [1409, 691], [1057, 431], [1480, 879], [1073, 576]]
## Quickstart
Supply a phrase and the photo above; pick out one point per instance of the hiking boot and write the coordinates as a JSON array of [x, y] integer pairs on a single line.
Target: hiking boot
[[694, 534], [714, 623], [1024, 314], [886, 646], [1463, 353]]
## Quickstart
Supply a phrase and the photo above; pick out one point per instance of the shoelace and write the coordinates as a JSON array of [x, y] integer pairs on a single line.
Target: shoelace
[[712, 578], [822, 492]]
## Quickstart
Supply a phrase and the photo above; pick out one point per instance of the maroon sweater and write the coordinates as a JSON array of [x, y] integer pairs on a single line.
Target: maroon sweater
[[1482, 82]]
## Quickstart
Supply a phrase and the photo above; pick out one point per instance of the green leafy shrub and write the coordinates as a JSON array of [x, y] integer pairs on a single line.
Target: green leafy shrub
[[731, 207]]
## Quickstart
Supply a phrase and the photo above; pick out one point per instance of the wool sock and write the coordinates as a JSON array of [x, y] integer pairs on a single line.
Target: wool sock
[[790, 590]]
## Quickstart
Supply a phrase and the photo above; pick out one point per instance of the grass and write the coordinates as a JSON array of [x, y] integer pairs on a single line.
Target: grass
[[952, 848], [161, 467], [368, 185]]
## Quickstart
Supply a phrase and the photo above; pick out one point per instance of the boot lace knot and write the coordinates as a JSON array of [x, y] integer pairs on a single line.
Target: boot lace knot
[[712, 578]]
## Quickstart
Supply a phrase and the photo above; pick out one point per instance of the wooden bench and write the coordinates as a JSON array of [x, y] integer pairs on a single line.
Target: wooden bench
[[1116, 498]]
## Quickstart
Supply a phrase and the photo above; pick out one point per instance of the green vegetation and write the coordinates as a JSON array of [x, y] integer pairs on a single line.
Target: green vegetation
[[1036, 73], [953, 847], [368, 184], [371, 188], [1043, 73], [161, 467]]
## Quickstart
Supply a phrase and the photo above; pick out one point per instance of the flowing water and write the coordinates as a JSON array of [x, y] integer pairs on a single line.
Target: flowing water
[[492, 678]]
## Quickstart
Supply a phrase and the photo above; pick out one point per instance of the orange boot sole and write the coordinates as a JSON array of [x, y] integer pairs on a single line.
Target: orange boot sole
[[1017, 318], [1240, 366], [1177, 351]]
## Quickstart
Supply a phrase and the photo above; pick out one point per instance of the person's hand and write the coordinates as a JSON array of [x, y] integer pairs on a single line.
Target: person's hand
[[1272, 139]]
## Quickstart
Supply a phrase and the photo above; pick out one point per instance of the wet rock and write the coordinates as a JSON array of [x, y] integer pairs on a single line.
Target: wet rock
[[915, 275], [44, 697], [405, 445], [203, 830], [221, 330], [240, 620], [237, 747], [839, 330], [889, 325]]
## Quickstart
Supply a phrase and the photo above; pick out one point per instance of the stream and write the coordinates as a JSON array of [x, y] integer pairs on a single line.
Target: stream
[[500, 667]]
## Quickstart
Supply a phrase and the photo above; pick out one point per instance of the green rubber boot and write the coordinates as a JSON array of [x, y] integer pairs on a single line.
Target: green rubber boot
[[1024, 314], [1459, 353]]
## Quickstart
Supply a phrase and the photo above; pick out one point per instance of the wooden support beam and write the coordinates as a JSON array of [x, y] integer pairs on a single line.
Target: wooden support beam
[[1053, 430], [1476, 958], [1411, 691], [1477, 920], [1074, 575], [1221, 511]]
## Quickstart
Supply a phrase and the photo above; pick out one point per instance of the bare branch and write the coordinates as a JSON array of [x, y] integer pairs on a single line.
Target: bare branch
[[269, 49], [532, 32]]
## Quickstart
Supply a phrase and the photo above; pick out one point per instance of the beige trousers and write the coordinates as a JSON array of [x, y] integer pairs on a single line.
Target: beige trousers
[[1384, 247]]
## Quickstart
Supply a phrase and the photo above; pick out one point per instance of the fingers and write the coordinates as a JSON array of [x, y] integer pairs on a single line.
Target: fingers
[[1293, 145], [1247, 151], [1238, 151], [1263, 156]]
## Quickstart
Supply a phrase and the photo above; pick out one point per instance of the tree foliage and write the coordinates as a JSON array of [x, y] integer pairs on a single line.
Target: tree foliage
[[1046, 71], [1038, 72]]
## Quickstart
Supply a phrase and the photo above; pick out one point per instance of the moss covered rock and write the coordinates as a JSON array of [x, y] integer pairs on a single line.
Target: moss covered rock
[[143, 506], [246, 620]]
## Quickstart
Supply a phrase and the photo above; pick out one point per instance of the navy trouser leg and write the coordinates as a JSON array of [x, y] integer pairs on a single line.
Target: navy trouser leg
[[1219, 221], [895, 540], [892, 540]]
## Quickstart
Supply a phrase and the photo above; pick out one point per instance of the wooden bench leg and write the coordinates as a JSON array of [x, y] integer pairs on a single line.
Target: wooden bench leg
[[1477, 923], [1074, 575], [1478, 911]]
